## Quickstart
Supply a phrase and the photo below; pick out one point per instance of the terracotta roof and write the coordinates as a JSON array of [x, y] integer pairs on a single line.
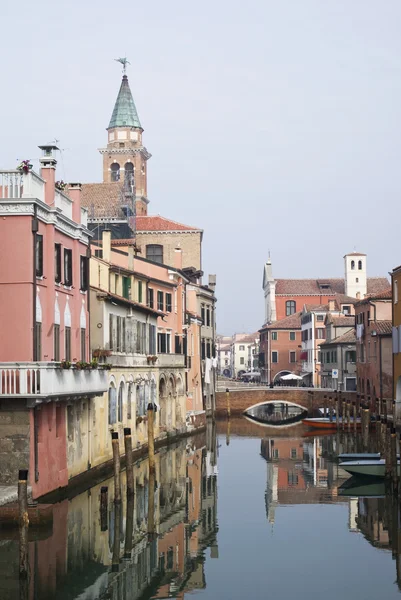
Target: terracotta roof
[[316, 307], [386, 294], [247, 339], [158, 223], [311, 287], [343, 321], [346, 338], [383, 327], [355, 254], [291, 322], [344, 299], [103, 200]]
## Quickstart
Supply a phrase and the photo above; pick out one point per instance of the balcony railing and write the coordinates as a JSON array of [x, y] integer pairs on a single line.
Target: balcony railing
[[47, 380], [15, 185], [64, 203], [170, 360]]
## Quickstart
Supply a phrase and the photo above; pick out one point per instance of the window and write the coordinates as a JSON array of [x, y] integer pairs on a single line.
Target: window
[[226, 352], [152, 339], [150, 298], [203, 349], [56, 340], [160, 303], [129, 401], [140, 401], [276, 453], [203, 314], [319, 357], [140, 292], [208, 350], [126, 287], [319, 317], [290, 307], [67, 335], [57, 263], [359, 265], [320, 333], [350, 356], [37, 355], [346, 310], [207, 316], [242, 360], [39, 255], [67, 267], [168, 302], [293, 357], [177, 344], [328, 358], [84, 279], [163, 343], [293, 452], [83, 344], [112, 405], [154, 252], [274, 335], [116, 284], [129, 173], [115, 172], [226, 362], [274, 357], [292, 336], [356, 279], [292, 478], [395, 292], [120, 401], [352, 265], [242, 348]]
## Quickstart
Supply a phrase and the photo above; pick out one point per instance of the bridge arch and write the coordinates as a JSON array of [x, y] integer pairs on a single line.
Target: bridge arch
[[274, 401], [281, 373]]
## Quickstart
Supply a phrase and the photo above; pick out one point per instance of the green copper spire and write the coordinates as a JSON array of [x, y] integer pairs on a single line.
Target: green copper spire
[[124, 113]]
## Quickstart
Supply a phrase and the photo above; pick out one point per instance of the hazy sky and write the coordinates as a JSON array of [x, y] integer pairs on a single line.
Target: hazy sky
[[271, 124]]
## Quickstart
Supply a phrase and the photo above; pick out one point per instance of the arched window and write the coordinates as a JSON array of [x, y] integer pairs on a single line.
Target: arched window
[[129, 401], [112, 405], [352, 265], [115, 172], [120, 401], [359, 265], [290, 307], [129, 173], [154, 252]]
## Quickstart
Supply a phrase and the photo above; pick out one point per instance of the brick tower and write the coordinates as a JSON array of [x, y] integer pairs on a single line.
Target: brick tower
[[125, 157]]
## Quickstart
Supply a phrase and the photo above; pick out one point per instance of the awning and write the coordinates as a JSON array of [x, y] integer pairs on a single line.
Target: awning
[[306, 374], [303, 356]]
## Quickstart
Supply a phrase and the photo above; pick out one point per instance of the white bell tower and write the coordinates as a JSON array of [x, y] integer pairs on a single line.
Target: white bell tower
[[355, 275]]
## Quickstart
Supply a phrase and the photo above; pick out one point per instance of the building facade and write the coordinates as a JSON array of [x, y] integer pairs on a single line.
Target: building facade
[[45, 373], [280, 349], [396, 333], [338, 354], [374, 355], [239, 352]]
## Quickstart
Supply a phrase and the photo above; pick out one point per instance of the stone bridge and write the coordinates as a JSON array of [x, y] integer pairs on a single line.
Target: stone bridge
[[242, 399]]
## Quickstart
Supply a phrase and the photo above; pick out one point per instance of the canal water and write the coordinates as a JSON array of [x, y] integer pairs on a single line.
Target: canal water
[[240, 511]]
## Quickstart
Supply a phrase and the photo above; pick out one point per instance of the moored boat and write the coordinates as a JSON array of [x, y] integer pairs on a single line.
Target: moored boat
[[365, 488], [326, 423], [359, 456], [368, 468]]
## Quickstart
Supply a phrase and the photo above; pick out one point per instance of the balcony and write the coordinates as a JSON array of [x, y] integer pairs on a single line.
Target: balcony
[[170, 360], [39, 381], [16, 185]]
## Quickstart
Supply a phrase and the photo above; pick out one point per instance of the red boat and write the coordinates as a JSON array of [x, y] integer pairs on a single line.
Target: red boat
[[325, 423]]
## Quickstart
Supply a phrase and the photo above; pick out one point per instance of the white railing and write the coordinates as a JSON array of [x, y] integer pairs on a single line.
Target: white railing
[[64, 203], [49, 379], [14, 184]]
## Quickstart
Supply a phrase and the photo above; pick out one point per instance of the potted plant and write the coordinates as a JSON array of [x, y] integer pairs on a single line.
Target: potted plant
[[24, 166], [100, 352], [79, 365], [65, 364], [107, 366], [94, 363], [60, 185]]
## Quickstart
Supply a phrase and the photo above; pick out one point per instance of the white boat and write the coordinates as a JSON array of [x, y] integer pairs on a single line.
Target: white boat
[[359, 456], [368, 468]]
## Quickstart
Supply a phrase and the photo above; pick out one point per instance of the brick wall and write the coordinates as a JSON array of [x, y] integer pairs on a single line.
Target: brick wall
[[190, 244], [240, 400]]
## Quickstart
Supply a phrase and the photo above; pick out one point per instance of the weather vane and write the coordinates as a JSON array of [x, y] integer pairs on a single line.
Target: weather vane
[[124, 61]]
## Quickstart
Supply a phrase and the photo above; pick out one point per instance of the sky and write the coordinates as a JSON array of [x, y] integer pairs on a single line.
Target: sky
[[273, 125]]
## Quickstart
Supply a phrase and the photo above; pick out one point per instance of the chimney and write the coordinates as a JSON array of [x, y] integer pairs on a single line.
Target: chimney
[[332, 305], [178, 258], [48, 164], [106, 245], [212, 282], [74, 192]]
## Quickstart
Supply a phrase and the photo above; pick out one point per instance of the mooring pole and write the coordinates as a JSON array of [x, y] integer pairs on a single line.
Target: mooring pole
[[115, 559], [128, 461], [104, 507], [117, 466], [129, 527], [151, 503], [23, 523], [228, 403], [151, 437], [393, 449]]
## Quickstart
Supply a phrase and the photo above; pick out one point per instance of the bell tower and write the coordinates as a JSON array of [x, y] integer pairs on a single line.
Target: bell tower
[[125, 157]]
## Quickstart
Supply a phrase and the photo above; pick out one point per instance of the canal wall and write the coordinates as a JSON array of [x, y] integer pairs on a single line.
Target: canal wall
[[241, 400]]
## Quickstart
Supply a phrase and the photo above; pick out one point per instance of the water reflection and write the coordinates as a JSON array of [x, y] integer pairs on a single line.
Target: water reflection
[[151, 545], [277, 413]]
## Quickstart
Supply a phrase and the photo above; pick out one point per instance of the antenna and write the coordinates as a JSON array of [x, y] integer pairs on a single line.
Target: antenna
[[124, 61]]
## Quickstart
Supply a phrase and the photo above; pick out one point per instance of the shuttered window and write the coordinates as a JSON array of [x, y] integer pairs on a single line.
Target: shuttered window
[[150, 298], [39, 255], [83, 344], [67, 333], [67, 267], [56, 349], [57, 263]]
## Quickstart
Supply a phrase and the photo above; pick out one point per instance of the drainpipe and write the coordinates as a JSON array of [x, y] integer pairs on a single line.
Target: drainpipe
[[35, 227], [381, 369]]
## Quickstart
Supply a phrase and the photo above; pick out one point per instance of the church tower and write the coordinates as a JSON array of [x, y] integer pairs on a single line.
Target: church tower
[[125, 158], [355, 275]]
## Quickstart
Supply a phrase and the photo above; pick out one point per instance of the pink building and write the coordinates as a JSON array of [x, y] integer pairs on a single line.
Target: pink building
[[44, 320]]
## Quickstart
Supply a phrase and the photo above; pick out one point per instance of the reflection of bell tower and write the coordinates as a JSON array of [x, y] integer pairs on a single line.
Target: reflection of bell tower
[[124, 159]]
